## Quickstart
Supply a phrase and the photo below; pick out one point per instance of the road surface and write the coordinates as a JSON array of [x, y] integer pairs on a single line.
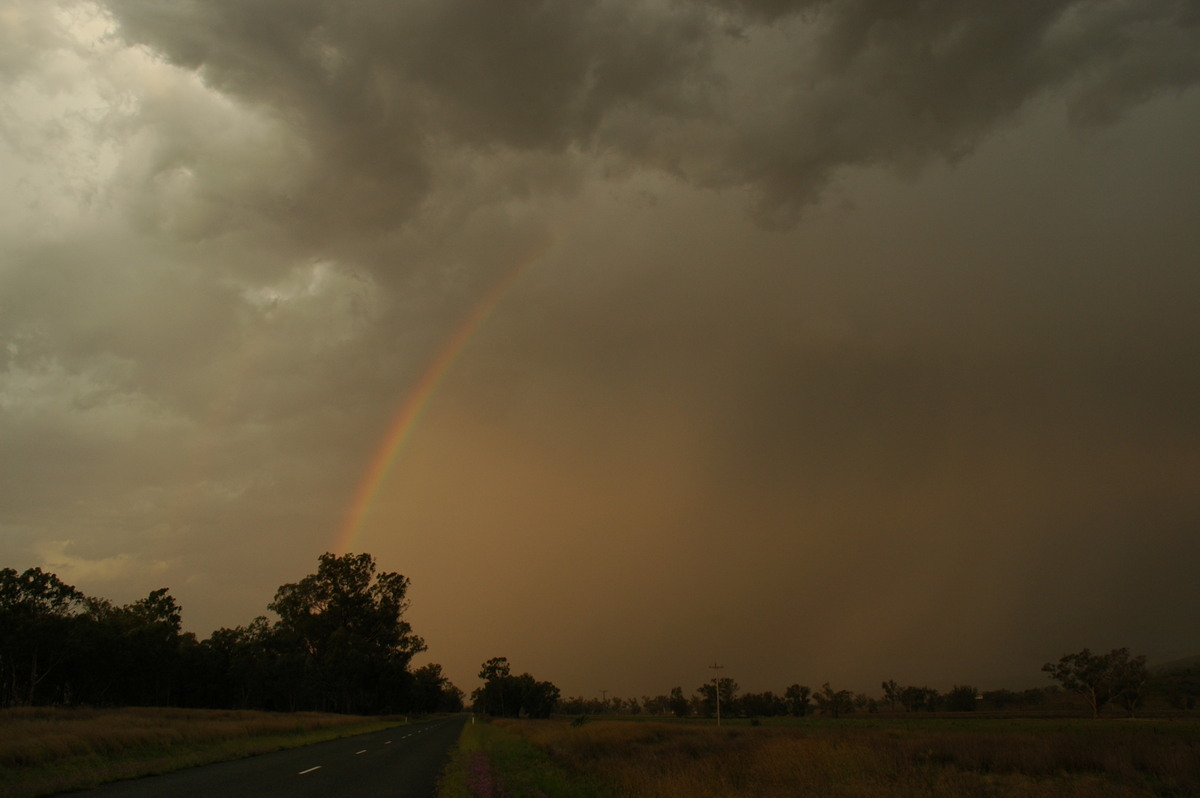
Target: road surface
[[400, 762]]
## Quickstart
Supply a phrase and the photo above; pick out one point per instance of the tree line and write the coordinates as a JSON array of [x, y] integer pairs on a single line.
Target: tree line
[[797, 700], [338, 643], [1115, 679]]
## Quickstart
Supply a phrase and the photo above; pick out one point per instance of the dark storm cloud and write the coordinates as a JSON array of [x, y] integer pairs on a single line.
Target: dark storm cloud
[[796, 92], [896, 83], [378, 90]]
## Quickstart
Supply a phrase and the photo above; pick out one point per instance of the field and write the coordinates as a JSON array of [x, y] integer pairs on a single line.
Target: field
[[987, 758], [44, 750]]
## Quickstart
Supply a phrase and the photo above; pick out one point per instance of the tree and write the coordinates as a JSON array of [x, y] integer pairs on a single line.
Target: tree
[[678, 703], [499, 695], [864, 701], [999, 699], [797, 697], [433, 692], [1101, 678], [508, 696], [245, 667], [961, 698], [58, 645], [763, 704], [496, 667], [153, 634], [38, 621], [340, 643], [891, 693], [834, 703], [708, 697], [917, 698], [538, 698], [134, 651], [342, 631]]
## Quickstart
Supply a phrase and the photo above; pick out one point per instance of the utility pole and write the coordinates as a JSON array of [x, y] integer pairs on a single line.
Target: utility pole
[[604, 700], [717, 686]]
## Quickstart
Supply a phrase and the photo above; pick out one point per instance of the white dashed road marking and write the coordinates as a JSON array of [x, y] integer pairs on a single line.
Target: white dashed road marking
[[310, 770]]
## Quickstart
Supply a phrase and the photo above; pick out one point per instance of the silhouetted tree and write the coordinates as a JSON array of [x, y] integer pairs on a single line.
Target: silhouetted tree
[[134, 651], [834, 703], [999, 699], [708, 697], [433, 692], [498, 695], [505, 695], [341, 637], [38, 634], [1101, 678], [58, 645], [252, 664], [679, 704], [961, 698], [864, 701], [917, 698], [798, 698], [340, 643], [538, 698], [765, 705], [891, 693]]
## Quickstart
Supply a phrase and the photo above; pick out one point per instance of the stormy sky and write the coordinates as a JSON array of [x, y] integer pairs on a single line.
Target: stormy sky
[[831, 340]]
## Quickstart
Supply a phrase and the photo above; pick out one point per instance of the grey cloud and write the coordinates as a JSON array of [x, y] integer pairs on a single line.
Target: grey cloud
[[1137, 50], [901, 84], [527, 74], [380, 88], [543, 75]]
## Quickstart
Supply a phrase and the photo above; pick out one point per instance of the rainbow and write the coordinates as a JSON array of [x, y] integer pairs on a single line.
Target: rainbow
[[418, 398]]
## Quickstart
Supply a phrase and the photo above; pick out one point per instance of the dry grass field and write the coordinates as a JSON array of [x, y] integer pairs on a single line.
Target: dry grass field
[[46, 750], [987, 758]]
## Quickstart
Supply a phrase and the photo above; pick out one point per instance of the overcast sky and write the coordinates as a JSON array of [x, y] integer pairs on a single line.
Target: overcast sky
[[830, 340]]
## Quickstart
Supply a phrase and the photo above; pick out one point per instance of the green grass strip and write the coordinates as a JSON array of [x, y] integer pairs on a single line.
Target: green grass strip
[[493, 762]]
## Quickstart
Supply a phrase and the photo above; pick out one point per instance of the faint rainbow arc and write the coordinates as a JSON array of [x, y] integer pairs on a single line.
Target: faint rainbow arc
[[410, 412]]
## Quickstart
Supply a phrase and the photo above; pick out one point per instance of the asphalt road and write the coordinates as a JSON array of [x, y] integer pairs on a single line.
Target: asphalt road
[[401, 762]]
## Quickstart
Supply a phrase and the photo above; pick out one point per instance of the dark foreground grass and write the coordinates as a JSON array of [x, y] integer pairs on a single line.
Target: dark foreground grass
[[44, 750], [983, 758]]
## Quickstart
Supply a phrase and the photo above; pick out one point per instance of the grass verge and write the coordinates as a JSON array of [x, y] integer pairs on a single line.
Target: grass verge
[[493, 761], [46, 750], [987, 759]]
